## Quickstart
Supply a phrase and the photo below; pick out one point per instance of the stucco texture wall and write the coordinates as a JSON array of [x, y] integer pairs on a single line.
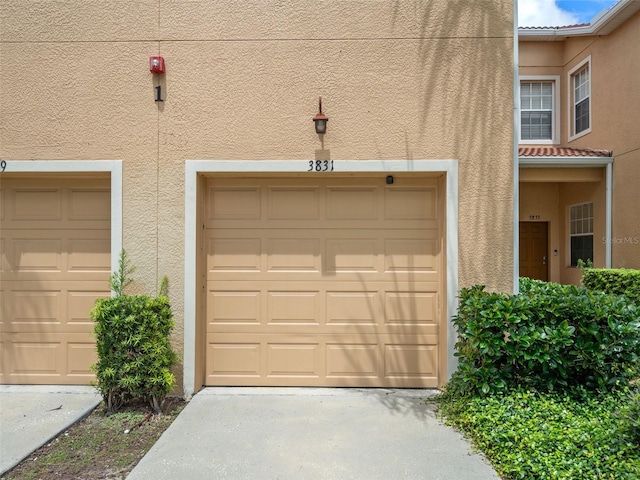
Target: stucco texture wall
[[399, 80], [616, 116]]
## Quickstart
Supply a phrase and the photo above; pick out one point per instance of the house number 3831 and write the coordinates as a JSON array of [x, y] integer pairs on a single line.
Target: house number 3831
[[320, 166]]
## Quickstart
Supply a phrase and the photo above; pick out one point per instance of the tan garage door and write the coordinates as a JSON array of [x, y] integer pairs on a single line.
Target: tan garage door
[[324, 282], [55, 245]]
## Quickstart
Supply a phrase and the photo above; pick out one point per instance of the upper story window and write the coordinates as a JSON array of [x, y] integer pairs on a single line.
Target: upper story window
[[580, 114], [539, 110]]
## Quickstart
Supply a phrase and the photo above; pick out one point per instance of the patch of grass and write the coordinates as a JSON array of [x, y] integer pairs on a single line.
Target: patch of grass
[[98, 447], [530, 435]]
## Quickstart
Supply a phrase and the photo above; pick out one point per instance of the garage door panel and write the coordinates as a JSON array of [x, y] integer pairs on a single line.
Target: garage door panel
[[30, 204], [336, 282], [301, 253], [85, 205], [80, 357], [234, 203], [48, 203], [34, 255], [89, 254], [235, 255], [3, 203], [225, 307], [352, 203], [354, 360], [352, 255], [293, 307], [79, 302], [3, 308], [35, 308], [51, 307], [65, 358], [379, 305], [368, 360], [60, 255], [410, 255], [353, 308], [411, 203], [300, 358], [356, 330], [411, 361], [324, 252], [233, 360], [36, 358], [4, 264], [293, 203], [411, 308], [56, 260]]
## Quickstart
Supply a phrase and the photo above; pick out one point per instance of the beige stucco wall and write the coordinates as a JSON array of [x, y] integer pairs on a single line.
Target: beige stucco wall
[[399, 80], [616, 116], [615, 68]]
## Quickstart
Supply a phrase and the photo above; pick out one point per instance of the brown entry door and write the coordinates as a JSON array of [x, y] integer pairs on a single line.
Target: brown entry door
[[534, 255]]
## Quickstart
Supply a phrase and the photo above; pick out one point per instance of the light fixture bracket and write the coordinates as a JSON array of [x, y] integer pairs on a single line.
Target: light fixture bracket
[[320, 119]]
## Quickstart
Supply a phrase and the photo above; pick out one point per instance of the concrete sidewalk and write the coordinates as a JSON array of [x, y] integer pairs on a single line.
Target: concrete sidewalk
[[306, 433], [30, 416]]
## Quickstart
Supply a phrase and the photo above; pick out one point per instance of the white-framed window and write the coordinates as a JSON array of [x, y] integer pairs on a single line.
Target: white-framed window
[[580, 99], [581, 228], [539, 109]]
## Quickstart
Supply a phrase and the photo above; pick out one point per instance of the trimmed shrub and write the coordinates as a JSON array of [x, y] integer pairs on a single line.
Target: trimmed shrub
[[629, 413], [549, 337], [617, 281], [134, 351]]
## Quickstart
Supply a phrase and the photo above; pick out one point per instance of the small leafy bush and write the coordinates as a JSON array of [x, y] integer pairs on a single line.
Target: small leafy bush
[[134, 351], [629, 414], [570, 435], [617, 281], [548, 337]]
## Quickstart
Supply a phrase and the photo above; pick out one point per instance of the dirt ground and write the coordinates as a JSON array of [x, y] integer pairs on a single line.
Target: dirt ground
[[99, 446]]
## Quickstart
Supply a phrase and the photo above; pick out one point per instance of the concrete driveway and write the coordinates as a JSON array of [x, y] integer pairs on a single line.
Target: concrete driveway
[[293, 433], [31, 415]]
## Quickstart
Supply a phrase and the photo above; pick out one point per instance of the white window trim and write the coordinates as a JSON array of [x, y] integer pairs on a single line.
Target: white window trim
[[114, 167], [555, 133], [571, 123], [571, 235], [194, 167]]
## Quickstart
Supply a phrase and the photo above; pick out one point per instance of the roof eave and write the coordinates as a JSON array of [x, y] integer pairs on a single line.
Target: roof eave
[[602, 24], [563, 162]]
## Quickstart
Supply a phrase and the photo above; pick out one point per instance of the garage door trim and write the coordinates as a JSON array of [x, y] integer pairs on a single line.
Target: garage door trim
[[195, 167]]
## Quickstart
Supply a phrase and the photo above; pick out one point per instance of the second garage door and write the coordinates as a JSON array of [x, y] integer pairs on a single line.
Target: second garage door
[[324, 281], [55, 262]]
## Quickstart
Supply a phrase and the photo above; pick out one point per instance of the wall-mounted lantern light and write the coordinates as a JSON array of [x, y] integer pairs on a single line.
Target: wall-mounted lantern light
[[320, 119], [156, 64]]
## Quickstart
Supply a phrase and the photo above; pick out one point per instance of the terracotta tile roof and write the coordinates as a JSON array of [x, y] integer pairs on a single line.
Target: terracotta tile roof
[[562, 152], [555, 27]]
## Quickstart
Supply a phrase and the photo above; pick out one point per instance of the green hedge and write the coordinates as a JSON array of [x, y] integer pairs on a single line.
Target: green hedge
[[551, 436], [134, 350], [549, 337], [617, 281]]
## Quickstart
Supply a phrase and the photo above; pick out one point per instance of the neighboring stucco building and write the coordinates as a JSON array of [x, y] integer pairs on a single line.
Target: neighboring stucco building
[[293, 258], [580, 145]]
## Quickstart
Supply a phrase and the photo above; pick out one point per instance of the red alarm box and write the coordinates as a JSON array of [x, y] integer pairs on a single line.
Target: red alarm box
[[156, 64]]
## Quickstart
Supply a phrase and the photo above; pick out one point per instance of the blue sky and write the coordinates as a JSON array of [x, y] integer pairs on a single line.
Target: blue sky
[[548, 13]]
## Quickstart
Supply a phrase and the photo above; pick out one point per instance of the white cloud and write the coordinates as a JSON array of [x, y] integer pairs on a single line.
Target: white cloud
[[543, 13]]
